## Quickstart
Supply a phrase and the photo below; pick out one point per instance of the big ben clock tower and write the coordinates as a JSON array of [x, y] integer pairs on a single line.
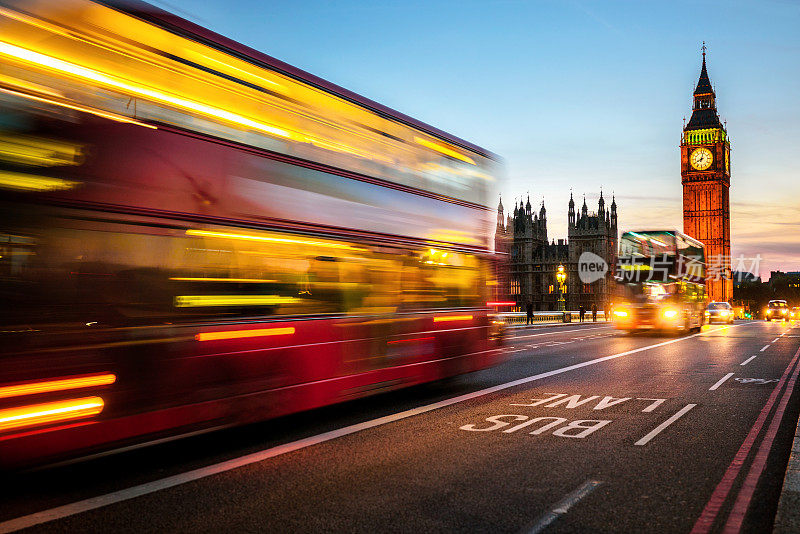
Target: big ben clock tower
[[706, 179]]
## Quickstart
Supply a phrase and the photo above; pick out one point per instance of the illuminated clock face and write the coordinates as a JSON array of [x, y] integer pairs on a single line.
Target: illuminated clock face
[[728, 161], [701, 159]]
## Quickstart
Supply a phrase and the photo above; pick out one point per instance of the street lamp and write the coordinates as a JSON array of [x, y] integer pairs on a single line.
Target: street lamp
[[561, 276]]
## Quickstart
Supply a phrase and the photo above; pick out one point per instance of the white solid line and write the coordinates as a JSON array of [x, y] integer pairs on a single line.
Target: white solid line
[[563, 506], [214, 469], [748, 360], [561, 332], [765, 347], [720, 381], [665, 424], [774, 340]]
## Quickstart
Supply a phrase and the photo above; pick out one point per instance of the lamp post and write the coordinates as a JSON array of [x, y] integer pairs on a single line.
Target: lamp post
[[561, 276]]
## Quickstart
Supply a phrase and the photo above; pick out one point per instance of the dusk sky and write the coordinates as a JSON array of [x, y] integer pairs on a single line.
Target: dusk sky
[[572, 94]]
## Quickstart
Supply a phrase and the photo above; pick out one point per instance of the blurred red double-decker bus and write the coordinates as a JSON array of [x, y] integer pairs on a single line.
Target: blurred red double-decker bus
[[195, 235]]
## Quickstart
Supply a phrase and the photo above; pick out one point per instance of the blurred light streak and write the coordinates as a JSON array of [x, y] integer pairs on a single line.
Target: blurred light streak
[[89, 74], [77, 107], [238, 334], [446, 318], [39, 414], [232, 280], [249, 237], [443, 150], [501, 303], [32, 182], [195, 301], [45, 386]]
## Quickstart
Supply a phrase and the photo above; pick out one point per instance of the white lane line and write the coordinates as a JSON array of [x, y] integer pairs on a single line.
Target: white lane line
[[774, 340], [235, 463], [657, 430], [765, 347], [563, 506], [720, 381], [748, 360], [561, 332]]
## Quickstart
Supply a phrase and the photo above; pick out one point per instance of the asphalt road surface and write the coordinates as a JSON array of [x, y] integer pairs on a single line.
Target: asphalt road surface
[[582, 429]]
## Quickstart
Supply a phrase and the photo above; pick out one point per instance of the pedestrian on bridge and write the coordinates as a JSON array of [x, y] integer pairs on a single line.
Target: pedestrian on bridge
[[581, 312], [594, 312], [529, 313]]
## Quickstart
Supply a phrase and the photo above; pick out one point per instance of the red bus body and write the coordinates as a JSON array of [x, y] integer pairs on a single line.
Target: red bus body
[[131, 312]]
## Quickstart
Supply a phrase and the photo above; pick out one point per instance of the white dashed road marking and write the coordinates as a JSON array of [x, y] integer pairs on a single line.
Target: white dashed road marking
[[748, 360], [720, 381], [680, 413]]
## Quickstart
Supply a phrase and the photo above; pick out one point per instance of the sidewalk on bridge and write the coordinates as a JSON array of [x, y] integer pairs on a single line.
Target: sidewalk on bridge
[[554, 323], [787, 519]]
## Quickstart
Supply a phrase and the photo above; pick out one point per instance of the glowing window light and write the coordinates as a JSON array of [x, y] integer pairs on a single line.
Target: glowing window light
[[50, 412], [443, 150], [446, 318], [238, 334], [89, 74], [198, 301], [248, 237], [32, 182], [62, 384]]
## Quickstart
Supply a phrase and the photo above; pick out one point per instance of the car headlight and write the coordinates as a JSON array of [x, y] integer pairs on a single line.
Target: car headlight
[[670, 314], [620, 313], [724, 313]]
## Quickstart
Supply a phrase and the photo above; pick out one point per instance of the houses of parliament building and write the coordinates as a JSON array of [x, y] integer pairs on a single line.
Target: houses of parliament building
[[528, 272]]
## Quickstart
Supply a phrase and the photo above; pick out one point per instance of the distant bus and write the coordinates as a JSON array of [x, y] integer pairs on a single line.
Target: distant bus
[[195, 235], [661, 274]]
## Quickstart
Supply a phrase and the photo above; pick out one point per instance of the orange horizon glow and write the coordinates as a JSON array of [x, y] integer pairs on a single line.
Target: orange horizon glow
[[33, 388]]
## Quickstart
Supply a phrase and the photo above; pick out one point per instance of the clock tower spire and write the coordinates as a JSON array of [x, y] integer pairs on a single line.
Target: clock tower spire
[[705, 175]]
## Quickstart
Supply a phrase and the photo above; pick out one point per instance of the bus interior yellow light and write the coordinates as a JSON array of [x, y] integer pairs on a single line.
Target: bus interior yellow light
[[32, 182], [446, 318], [620, 313], [197, 301], [670, 314], [442, 149], [249, 237], [50, 412], [98, 77], [230, 280], [239, 334], [61, 384]]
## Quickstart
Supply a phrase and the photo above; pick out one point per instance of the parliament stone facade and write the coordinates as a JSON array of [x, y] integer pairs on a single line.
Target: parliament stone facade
[[527, 274]]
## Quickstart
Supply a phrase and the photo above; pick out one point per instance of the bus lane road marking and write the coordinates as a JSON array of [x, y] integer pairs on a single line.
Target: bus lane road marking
[[546, 423], [133, 492]]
